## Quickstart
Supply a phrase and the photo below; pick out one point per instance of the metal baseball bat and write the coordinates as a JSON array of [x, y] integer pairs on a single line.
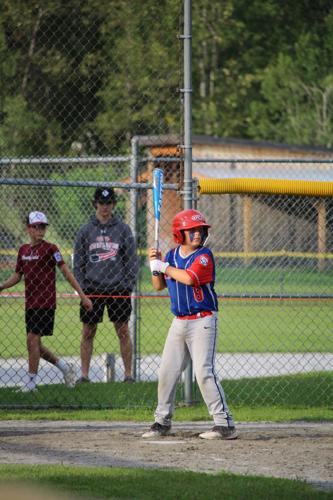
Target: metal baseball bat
[[157, 201]]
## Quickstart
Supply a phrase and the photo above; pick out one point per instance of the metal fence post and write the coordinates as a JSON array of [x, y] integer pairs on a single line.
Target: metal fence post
[[187, 146], [133, 226]]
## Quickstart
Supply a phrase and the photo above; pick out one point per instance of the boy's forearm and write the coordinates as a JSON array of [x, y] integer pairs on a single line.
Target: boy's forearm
[[179, 275], [158, 282], [11, 281]]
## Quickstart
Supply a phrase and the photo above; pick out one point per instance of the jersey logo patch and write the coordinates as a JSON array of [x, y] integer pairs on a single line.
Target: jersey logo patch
[[57, 256], [203, 261]]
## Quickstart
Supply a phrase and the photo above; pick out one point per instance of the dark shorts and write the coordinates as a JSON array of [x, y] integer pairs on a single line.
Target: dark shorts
[[119, 309], [39, 321]]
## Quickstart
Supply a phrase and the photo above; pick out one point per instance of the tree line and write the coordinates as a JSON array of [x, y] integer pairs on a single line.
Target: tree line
[[84, 76]]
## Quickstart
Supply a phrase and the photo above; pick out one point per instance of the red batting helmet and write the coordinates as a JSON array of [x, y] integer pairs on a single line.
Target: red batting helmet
[[187, 219]]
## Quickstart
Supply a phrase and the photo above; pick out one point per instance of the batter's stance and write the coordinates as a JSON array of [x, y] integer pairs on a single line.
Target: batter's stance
[[189, 273]]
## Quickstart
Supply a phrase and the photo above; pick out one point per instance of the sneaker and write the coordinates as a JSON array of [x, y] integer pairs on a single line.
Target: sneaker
[[82, 380], [157, 430], [220, 432], [129, 380], [27, 388], [69, 376]]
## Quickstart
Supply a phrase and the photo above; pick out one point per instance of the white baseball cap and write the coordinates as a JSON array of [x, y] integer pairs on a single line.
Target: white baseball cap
[[37, 218]]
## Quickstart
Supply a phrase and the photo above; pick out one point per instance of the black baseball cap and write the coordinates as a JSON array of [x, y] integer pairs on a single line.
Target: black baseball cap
[[105, 195]]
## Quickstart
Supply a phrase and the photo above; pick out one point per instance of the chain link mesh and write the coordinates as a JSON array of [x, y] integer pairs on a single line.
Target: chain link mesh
[[273, 279], [86, 84]]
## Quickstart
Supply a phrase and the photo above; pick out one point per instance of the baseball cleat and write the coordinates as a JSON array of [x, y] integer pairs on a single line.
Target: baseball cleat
[[220, 432], [129, 380], [69, 376], [157, 430]]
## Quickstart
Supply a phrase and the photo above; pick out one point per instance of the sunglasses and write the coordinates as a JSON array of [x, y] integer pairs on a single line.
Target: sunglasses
[[38, 226]]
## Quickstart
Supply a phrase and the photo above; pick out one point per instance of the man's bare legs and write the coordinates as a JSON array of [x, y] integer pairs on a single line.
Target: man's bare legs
[[86, 348], [126, 347], [87, 344]]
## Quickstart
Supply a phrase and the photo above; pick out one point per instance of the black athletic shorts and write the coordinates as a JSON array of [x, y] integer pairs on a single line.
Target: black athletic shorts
[[39, 321], [119, 309]]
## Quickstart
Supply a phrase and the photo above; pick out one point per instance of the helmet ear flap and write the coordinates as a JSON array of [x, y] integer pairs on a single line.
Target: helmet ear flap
[[179, 237], [204, 236]]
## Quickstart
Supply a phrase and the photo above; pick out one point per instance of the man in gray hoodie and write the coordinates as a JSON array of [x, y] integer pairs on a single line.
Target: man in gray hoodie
[[106, 265]]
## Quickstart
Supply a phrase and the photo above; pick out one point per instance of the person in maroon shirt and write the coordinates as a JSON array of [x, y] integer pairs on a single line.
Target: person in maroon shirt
[[37, 262]]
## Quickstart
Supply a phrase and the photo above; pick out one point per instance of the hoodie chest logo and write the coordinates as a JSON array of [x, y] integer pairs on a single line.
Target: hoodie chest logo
[[104, 243], [103, 249]]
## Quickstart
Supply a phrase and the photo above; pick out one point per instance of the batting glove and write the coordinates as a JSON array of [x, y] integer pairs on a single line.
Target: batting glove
[[158, 266]]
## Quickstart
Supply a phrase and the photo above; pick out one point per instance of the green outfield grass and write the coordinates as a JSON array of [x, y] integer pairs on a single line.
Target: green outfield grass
[[273, 280], [244, 326], [239, 279], [260, 280], [115, 483]]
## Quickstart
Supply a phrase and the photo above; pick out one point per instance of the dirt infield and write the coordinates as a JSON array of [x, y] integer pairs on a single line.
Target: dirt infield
[[300, 451]]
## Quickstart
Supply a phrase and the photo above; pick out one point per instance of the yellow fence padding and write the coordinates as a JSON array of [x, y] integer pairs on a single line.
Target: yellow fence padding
[[265, 186]]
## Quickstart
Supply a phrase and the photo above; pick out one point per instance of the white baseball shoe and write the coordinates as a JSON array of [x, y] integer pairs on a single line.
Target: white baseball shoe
[[220, 432], [157, 430], [70, 375], [28, 388]]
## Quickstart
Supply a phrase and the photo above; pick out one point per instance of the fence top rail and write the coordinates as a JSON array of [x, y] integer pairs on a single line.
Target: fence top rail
[[59, 183], [84, 160], [90, 160], [64, 160]]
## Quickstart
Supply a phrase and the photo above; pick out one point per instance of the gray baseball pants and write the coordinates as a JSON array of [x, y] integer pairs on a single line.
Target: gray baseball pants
[[191, 339]]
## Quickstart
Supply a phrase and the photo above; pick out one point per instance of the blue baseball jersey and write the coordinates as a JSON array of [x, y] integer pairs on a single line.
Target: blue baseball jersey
[[187, 299]]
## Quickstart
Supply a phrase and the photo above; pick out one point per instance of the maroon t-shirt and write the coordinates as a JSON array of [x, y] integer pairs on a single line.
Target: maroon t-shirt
[[38, 265]]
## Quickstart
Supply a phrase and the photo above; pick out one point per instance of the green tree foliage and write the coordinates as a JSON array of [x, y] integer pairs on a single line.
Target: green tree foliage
[[296, 102], [22, 129], [51, 42], [83, 76], [141, 57], [237, 46]]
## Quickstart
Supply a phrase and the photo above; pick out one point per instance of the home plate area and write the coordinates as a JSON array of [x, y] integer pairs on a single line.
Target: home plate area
[[300, 450]]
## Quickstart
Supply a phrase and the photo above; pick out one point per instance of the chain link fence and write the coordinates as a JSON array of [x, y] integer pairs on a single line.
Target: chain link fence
[[274, 274], [81, 82]]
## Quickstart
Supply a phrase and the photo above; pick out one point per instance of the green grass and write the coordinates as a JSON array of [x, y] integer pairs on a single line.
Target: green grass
[[247, 326], [307, 391], [234, 278], [272, 280], [145, 484], [244, 325], [196, 413]]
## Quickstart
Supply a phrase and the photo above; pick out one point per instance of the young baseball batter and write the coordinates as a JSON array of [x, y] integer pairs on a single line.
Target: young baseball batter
[[37, 262], [189, 273]]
